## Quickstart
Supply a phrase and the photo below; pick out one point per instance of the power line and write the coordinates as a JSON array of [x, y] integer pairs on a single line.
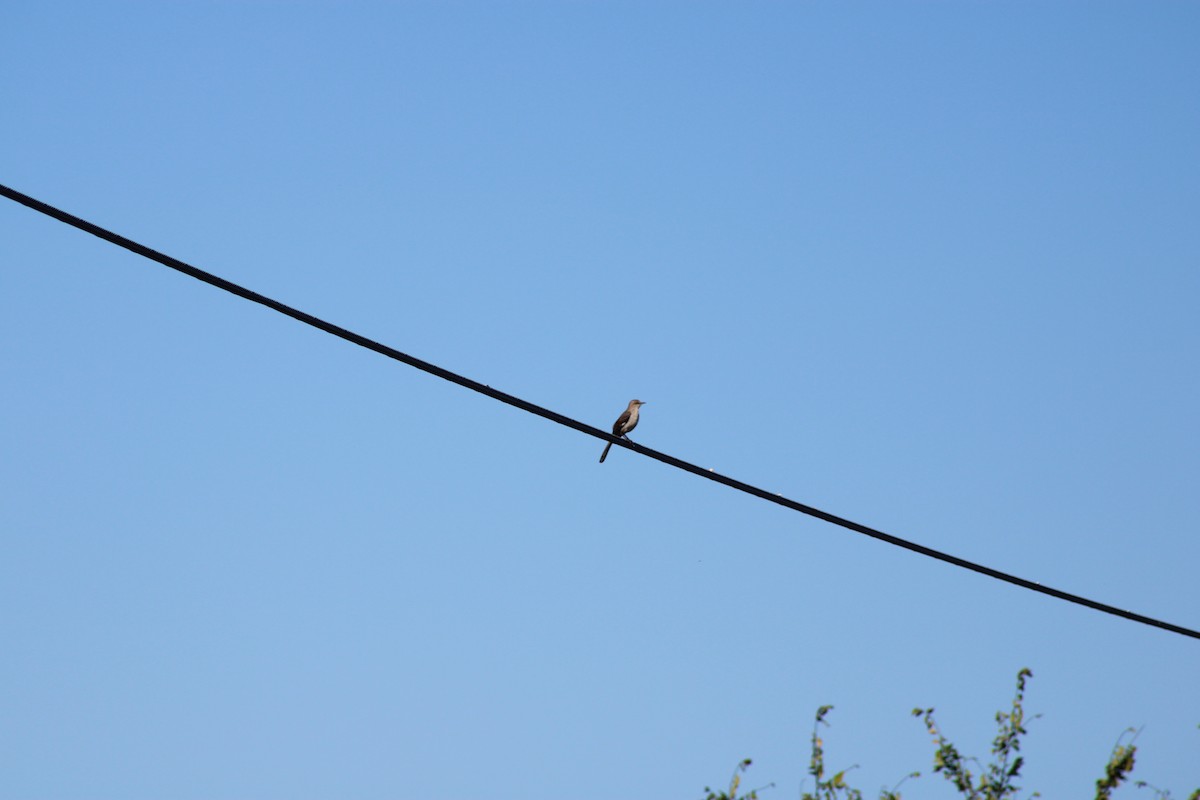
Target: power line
[[554, 416]]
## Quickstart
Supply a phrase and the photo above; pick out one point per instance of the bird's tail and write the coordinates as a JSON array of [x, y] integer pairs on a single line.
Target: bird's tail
[[604, 455]]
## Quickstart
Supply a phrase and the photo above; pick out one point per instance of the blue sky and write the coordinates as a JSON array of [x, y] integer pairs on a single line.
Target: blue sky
[[929, 266]]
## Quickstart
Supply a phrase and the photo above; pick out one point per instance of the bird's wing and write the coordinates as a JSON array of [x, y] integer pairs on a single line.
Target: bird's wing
[[619, 425]]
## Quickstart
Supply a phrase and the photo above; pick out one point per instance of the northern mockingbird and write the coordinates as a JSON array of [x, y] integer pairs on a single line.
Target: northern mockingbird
[[624, 424]]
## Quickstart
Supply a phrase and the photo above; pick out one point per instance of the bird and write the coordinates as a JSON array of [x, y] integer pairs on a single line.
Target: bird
[[624, 424]]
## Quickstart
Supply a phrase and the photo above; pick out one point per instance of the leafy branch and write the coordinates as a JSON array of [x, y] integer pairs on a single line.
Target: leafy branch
[[995, 781]]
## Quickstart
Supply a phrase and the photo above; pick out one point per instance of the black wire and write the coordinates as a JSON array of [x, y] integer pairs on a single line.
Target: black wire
[[554, 416]]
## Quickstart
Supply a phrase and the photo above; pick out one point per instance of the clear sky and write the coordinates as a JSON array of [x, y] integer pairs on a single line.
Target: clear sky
[[931, 266]]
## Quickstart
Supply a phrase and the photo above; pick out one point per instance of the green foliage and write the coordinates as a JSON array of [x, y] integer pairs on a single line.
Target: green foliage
[[1119, 765], [734, 783], [835, 787], [995, 781]]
